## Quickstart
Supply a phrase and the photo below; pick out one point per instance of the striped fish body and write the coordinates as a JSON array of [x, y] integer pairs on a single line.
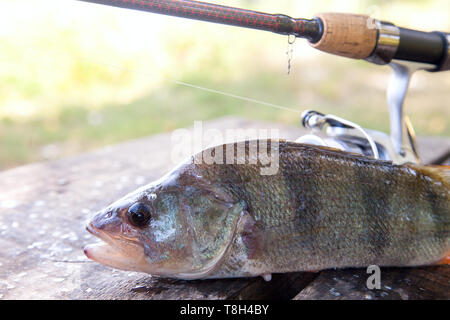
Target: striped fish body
[[330, 209]]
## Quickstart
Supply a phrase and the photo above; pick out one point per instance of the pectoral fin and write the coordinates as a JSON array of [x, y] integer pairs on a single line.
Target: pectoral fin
[[252, 236]]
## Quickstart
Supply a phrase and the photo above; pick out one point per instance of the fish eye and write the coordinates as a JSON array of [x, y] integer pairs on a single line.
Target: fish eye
[[138, 214]]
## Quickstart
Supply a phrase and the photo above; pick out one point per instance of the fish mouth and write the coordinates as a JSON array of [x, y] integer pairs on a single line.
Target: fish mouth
[[115, 252]]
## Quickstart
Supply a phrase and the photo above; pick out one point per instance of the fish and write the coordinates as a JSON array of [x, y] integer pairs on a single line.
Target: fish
[[322, 208]]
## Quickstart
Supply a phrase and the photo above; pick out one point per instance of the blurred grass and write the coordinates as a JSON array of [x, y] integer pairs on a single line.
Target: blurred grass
[[85, 76]]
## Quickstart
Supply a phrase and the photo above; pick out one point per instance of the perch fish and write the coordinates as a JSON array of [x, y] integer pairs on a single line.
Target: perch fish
[[323, 208]]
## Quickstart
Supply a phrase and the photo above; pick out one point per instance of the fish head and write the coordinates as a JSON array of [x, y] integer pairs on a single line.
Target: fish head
[[179, 227]]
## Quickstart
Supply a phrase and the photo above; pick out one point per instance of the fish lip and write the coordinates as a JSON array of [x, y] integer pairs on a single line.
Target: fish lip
[[115, 252], [92, 230], [99, 234], [109, 239]]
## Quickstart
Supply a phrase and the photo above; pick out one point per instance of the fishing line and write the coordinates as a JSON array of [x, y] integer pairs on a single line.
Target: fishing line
[[291, 40], [190, 85], [235, 96]]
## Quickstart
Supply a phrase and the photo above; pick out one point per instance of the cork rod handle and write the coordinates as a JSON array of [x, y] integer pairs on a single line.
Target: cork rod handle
[[347, 35]]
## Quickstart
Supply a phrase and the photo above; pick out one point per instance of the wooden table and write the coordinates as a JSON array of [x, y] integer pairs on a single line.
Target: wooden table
[[44, 208]]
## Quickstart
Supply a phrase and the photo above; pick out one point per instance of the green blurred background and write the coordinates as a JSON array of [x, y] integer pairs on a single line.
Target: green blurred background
[[77, 76]]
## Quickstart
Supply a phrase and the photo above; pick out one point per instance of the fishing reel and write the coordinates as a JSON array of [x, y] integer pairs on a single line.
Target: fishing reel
[[398, 147]]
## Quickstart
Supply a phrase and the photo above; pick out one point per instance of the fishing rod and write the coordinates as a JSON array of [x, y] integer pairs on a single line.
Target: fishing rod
[[349, 35]]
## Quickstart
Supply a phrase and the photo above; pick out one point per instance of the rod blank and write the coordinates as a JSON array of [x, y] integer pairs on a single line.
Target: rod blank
[[278, 23]]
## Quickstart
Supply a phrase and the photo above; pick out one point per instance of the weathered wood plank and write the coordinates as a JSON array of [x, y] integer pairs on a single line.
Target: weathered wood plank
[[44, 208], [396, 283]]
